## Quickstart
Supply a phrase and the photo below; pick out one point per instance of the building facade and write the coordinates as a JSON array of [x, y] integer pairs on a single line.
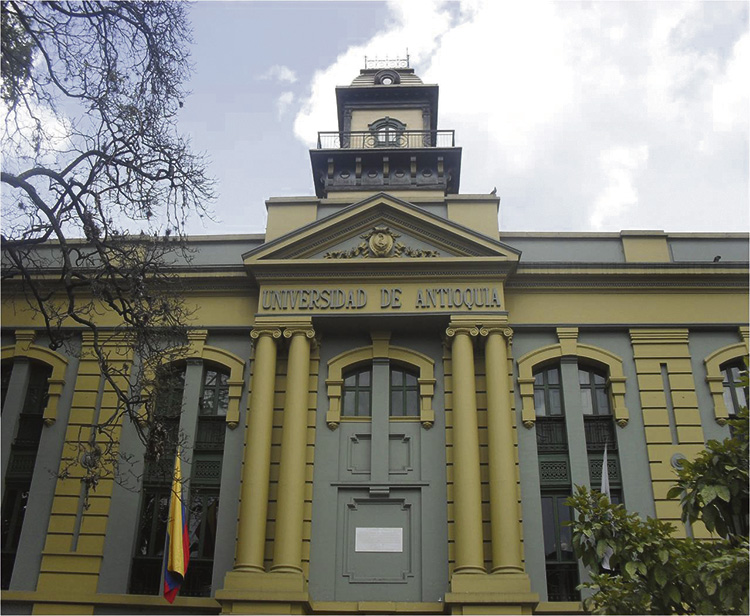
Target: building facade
[[386, 398]]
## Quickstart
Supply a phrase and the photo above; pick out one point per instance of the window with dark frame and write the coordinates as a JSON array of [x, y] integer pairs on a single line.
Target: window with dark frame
[[356, 394], [735, 392], [146, 567], [594, 391], [205, 485], [388, 132], [404, 392], [205, 481], [20, 470], [548, 396], [561, 564], [7, 369]]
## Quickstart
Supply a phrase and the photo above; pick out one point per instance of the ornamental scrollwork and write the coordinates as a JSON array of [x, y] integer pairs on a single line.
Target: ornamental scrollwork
[[380, 242]]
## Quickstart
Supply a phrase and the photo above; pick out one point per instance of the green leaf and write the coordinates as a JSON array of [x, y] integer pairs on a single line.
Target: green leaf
[[675, 492], [601, 547], [661, 577], [673, 594], [663, 556], [631, 568], [708, 493], [710, 586], [723, 493]]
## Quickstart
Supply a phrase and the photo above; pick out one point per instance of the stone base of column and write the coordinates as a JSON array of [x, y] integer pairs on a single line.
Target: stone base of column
[[263, 593], [508, 593]]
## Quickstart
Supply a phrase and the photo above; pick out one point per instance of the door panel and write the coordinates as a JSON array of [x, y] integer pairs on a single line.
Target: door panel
[[379, 528], [379, 547]]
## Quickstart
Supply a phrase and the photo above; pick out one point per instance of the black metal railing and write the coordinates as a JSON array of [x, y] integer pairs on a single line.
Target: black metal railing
[[600, 431], [562, 580], [363, 140], [550, 435]]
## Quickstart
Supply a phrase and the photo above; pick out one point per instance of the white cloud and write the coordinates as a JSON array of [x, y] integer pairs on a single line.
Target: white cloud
[[283, 103], [619, 166], [279, 72], [584, 115], [418, 26], [730, 91], [36, 133]]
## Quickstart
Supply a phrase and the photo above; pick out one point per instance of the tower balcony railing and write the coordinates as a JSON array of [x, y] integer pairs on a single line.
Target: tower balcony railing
[[363, 140]]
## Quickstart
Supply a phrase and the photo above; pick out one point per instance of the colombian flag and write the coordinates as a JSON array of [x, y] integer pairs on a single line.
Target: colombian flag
[[177, 551]]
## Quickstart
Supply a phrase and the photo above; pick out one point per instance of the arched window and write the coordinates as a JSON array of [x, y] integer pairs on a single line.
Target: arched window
[[548, 397], [404, 392], [205, 480], [146, 571], [555, 482], [7, 368], [387, 132], [387, 78], [405, 377], [594, 391], [735, 393], [22, 461], [357, 392], [209, 428]]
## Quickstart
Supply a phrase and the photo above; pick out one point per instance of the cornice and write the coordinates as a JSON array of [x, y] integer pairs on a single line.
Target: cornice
[[686, 267]]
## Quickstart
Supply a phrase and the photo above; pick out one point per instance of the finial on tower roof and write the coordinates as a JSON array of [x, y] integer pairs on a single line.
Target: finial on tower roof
[[378, 63]]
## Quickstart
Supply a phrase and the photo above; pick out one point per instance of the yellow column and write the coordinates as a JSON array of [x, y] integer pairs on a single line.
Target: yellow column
[[467, 493], [506, 531], [251, 532], [287, 553]]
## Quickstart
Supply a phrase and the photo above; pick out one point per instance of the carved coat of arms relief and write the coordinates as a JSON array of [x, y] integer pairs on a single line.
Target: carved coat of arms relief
[[380, 242]]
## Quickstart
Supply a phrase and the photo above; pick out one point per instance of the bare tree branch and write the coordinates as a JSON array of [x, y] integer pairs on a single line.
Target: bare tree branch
[[98, 188]]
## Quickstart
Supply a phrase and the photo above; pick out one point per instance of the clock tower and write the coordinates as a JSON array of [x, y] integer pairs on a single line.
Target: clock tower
[[388, 137]]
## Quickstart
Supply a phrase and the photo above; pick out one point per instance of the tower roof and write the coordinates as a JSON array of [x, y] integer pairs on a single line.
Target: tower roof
[[374, 76], [383, 83]]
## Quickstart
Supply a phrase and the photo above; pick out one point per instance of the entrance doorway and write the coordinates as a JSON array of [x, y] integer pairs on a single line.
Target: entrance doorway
[[379, 529]]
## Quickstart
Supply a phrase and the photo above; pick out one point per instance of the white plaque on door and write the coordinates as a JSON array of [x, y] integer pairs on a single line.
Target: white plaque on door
[[379, 539]]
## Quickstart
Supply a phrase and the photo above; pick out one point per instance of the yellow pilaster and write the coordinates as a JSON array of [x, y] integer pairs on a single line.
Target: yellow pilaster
[[505, 525], [251, 534], [249, 589], [467, 483], [671, 417], [472, 590], [287, 555]]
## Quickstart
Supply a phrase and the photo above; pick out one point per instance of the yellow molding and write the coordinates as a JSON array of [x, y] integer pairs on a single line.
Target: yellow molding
[[24, 348], [567, 347], [82, 598], [197, 349], [715, 379], [354, 357], [659, 335]]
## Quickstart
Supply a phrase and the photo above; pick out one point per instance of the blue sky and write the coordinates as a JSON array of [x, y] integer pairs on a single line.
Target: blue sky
[[585, 116]]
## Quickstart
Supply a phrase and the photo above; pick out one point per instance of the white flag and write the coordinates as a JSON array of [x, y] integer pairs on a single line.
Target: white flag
[[605, 490], [605, 474]]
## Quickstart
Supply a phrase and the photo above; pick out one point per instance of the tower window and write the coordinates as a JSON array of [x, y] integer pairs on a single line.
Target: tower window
[[387, 78], [387, 132]]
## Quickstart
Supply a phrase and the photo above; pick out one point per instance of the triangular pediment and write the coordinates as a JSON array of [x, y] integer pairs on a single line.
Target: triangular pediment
[[381, 229]]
